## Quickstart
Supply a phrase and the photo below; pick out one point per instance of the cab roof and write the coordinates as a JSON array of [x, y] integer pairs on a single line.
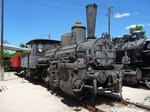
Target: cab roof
[[43, 40]]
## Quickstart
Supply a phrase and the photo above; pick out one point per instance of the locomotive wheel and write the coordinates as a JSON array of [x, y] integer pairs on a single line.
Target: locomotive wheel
[[49, 85], [147, 81]]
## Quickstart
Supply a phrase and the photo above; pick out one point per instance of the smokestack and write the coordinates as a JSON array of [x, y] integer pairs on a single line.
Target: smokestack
[[91, 11]]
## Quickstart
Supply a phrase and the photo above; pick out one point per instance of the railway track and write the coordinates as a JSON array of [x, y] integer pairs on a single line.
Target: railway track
[[124, 102], [93, 108]]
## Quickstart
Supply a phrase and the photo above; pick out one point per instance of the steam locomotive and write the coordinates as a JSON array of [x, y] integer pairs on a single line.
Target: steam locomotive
[[133, 51], [77, 65]]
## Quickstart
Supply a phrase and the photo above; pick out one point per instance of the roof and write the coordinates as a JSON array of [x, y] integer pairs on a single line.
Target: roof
[[44, 40], [14, 48]]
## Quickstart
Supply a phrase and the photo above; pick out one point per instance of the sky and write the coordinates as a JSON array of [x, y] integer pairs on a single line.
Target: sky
[[25, 20]]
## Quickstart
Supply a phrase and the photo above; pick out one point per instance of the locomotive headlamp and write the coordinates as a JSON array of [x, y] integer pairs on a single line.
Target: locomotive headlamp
[[40, 47]]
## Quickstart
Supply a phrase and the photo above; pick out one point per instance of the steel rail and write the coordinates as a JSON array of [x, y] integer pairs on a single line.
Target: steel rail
[[135, 104], [91, 108], [125, 102]]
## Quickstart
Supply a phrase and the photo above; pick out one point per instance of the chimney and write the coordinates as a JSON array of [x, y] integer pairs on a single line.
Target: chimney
[[91, 11]]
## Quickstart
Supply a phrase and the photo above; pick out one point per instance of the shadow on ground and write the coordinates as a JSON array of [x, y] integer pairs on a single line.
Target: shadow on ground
[[136, 85], [74, 102]]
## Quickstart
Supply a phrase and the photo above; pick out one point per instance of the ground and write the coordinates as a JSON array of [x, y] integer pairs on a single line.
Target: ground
[[22, 96], [19, 95]]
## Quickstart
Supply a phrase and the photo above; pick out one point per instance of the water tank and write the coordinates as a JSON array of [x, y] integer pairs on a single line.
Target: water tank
[[78, 32], [66, 39]]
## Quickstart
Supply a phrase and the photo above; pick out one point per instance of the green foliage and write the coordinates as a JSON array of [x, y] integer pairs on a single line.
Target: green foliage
[[7, 60], [8, 55], [137, 28], [23, 46], [7, 64]]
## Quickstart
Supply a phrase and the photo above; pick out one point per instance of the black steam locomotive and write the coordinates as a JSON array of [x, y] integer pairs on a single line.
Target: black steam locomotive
[[78, 65], [133, 51]]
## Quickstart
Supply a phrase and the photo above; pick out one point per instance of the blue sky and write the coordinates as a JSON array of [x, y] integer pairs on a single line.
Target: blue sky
[[29, 19]]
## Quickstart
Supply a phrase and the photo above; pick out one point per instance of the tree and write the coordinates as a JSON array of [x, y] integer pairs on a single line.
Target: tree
[[137, 28], [5, 42], [23, 46]]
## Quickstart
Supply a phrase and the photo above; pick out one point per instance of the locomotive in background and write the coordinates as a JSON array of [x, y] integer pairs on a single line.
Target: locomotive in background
[[133, 51], [79, 66]]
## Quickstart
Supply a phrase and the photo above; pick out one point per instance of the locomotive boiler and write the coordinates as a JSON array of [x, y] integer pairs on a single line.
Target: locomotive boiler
[[81, 66], [134, 52]]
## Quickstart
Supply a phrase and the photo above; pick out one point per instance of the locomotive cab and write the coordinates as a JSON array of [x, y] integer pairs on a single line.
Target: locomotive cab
[[38, 48]]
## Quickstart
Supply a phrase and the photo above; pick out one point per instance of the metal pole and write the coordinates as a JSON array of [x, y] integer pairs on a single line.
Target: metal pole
[[108, 21], [49, 36], [2, 30], [109, 12]]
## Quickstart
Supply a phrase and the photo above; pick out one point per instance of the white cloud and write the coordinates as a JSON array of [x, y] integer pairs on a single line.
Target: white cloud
[[130, 26], [120, 15], [133, 26]]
